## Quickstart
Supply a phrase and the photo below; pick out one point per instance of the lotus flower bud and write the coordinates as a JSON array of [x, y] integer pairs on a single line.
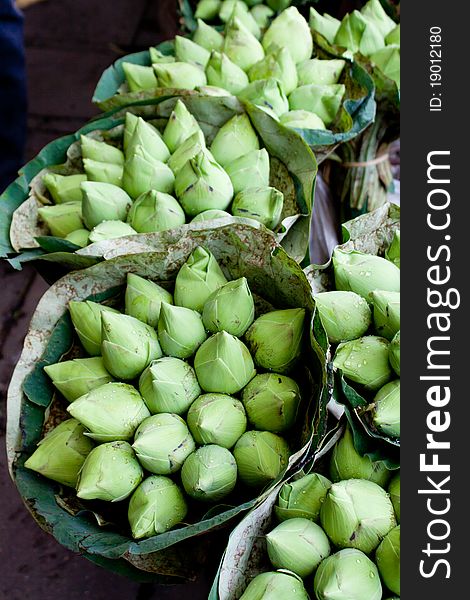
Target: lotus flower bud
[[230, 308], [207, 9], [320, 72], [277, 64], [241, 12], [275, 339], [145, 135], [323, 100], [228, 6], [290, 30], [364, 273], [139, 77], [240, 45], [217, 419], [267, 94], [103, 171], [79, 237], [103, 202], [209, 474], [387, 557], [62, 219], [180, 330], [388, 61], [142, 173], [100, 151], [169, 385], [326, 25], [224, 73], [202, 184], [386, 409], [86, 319], [347, 575], [393, 38], [250, 170], [393, 252], [158, 57], [64, 188], [156, 506], [108, 230], [111, 472], [162, 443], [112, 411], [234, 139], [344, 315], [394, 491], [347, 463], [61, 453], [208, 37], [180, 126], [298, 545], [301, 119], [197, 279], [143, 300], [187, 51], [394, 353], [212, 90], [302, 497], [274, 585], [261, 204], [386, 313], [357, 514], [188, 149], [261, 456], [223, 364], [357, 34], [74, 378], [155, 211], [373, 11], [179, 75], [365, 361], [262, 15], [209, 215]]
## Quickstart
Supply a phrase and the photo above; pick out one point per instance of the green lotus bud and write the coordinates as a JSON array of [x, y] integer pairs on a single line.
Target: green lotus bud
[[202, 184], [323, 100], [156, 506], [357, 514], [394, 491], [347, 575], [112, 411], [223, 364], [347, 463], [110, 472], [212, 90], [209, 215], [224, 73], [393, 38], [387, 557], [301, 119], [142, 173], [267, 94], [290, 30], [79, 237], [103, 172], [277, 64], [108, 230], [139, 77], [180, 330], [187, 51], [169, 385], [262, 15], [158, 57], [302, 497], [394, 353], [275, 339], [209, 474], [247, 19], [364, 273], [393, 252], [320, 72], [230, 308], [207, 9], [128, 345], [386, 312], [388, 61], [274, 585], [374, 12], [217, 419], [162, 443], [179, 75], [64, 188], [228, 6], [144, 298], [188, 149], [100, 151], [279, 5], [208, 37], [250, 170], [357, 34], [326, 25], [180, 126], [62, 219], [261, 457], [145, 135], [386, 409], [197, 279], [61, 453], [344, 315], [271, 402], [103, 202], [86, 319], [74, 378], [240, 45], [155, 211], [298, 545], [261, 204], [234, 139]]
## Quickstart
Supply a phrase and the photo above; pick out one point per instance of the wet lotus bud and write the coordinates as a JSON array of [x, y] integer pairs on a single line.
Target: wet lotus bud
[[365, 361], [298, 545], [207, 9], [79, 237], [394, 491], [373, 11], [261, 204], [223, 364], [388, 61], [145, 135], [386, 307], [190, 148], [62, 219], [142, 173], [209, 474], [250, 170], [393, 252], [180, 126], [357, 34], [357, 514], [158, 57], [216, 419], [234, 139], [169, 385], [139, 77], [394, 36], [240, 45], [230, 308], [302, 497], [323, 100], [275, 339], [61, 453], [111, 472], [102, 171], [301, 119], [344, 315], [74, 378], [86, 319], [347, 463], [261, 456], [290, 30], [108, 230], [347, 575], [64, 188], [326, 25], [143, 299], [212, 90], [394, 353], [156, 506], [364, 273], [103, 202], [387, 557], [386, 409], [271, 402], [100, 151], [179, 75], [155, 211], [162, 443], [278, 64], [180, 330], [208, 37], [267, 94], [197, 279], [320, 72], [274, 585], [224, 73], [209, 215], [112, 411], [187, 51], [262, 15]]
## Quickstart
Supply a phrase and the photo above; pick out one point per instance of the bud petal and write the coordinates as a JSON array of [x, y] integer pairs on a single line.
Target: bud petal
[[142, 173], [62, 219], [190, 148], [394, 36], [262, 14], [209, 474], [155, 211], [387, 557], [250, 170], [181, 125], [394, 491], [326, 25], [267, 94], [261, 456], [323, 100], [209, 215], [212, 90], [224, 73], [261, 204], [357, 34], [374, 12], [79, 237], [180, 330], [277, 64], [386, 313], [108, 230], [179, 75], [386, 410], [187, 51], [301, 119], [240, 45], [216, 419], [102, 171], [234, 139], [207, 9], [64, 188], [144, 134], [230, 308], [274, 585], [302, 497], [290, 30], [320, 72], [344, 315], [388, 61], [74, 378], [394, 353], [158, 57], [393, 252], [239, 9], [139, 77], [103, 202], [143, 299], [100, 151], [208, 37], [86, 319]]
